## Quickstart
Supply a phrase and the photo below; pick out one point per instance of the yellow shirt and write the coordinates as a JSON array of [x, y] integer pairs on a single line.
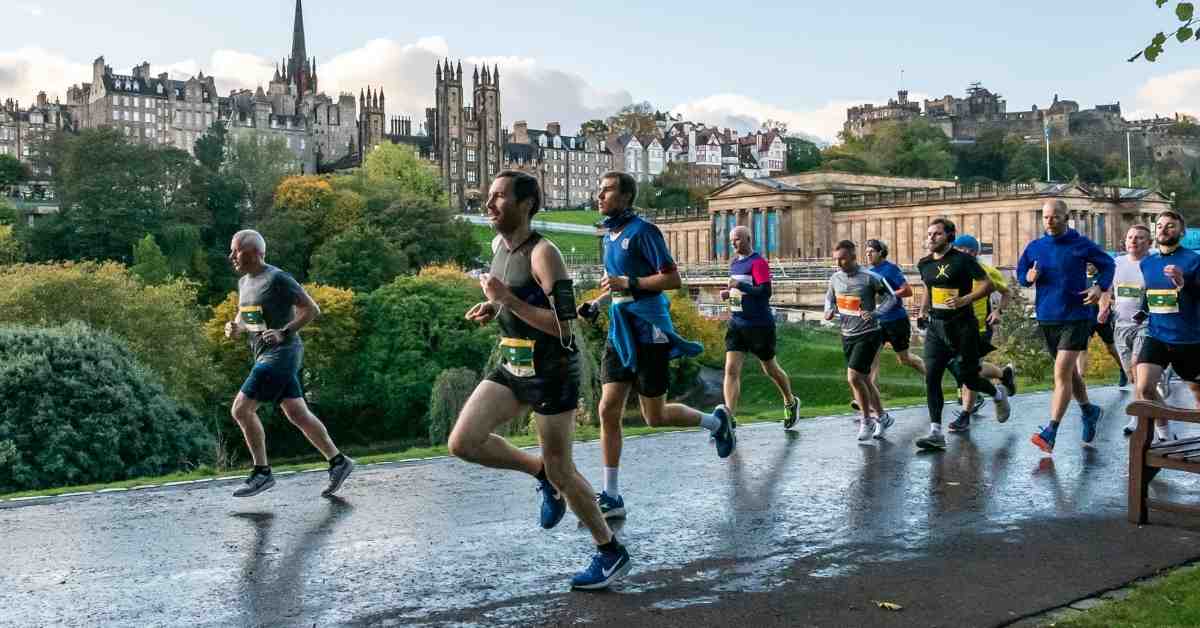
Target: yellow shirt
[[984, 305]]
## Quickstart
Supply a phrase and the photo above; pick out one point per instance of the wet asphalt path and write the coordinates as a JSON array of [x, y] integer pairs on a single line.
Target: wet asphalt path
[[802, 528]]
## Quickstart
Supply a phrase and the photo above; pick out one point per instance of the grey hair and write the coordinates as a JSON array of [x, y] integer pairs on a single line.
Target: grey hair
[[252, 237], [1060, 206], [741, 229]]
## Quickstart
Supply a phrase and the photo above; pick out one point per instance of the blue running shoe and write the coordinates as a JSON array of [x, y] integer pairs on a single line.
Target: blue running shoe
[[1122, 379], [611, 507], [1045, 439], [605, 569], [725, 437], [1091, 416], [553, 504]]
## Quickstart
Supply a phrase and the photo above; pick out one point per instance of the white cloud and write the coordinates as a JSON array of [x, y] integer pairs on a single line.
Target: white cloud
[[26, 71], [1165, 95], [32, 9]]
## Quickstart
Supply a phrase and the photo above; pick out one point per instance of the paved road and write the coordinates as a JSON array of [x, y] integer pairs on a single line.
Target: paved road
[[803, 528]]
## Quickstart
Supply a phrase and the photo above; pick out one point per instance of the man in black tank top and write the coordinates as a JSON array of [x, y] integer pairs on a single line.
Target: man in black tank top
[[531, 298]]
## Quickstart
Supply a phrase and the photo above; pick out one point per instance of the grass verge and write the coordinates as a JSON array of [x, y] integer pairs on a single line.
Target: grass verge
[[1170, 600]]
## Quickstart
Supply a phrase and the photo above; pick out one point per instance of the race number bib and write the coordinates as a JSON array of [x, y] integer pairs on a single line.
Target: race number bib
[[735, 300], [252, 318], [940, 296], [1129, 293], [849, 305], [1163, 301], [516, 355], [622, 296]]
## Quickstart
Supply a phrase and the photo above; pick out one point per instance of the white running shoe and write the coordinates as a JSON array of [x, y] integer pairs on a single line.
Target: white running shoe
[[866, 428], [882, 425], [1130, 427]]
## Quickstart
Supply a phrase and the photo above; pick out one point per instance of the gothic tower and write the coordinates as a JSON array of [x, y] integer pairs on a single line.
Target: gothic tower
[[301, 71], [370, 120], [448, 141], [486, 107]]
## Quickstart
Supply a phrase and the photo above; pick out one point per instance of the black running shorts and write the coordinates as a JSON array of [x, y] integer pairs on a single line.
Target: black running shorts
[[553, 390], [651, 378], [860, 350], [1184, 359], [897, 333], [757, 340], [1067, 335]]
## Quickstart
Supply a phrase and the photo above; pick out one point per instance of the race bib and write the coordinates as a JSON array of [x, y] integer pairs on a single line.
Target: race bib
[[516, 355], [849, 305], [1129, 293], [622, 296], [252, 318], [735, 300], [1163, 301], [940, 296]]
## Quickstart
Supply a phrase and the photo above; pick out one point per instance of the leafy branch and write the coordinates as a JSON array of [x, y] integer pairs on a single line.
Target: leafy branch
[[1186, 12]]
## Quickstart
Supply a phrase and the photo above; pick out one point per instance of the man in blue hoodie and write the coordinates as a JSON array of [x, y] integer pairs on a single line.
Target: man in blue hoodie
[[641, 341], [1056, 264]]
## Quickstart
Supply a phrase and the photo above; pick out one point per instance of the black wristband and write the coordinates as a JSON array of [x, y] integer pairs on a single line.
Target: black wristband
[[633, 283]]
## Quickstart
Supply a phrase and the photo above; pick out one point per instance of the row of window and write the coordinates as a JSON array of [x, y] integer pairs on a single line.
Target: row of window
[[562, 154]]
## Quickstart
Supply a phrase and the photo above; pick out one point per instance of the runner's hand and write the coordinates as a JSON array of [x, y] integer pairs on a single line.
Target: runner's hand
[[733, 283], [481, 313], [232, 329], [494, 289], [611, 283], [993, 319], [867, 316], [1175, 274], [272, 336], [956, 302], [1102, 317], [1032, 275], [724, 295], [829, 315], [1092, 295]]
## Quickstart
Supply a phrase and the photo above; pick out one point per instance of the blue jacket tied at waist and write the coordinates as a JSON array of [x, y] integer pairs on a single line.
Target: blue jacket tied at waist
[[655, 311]]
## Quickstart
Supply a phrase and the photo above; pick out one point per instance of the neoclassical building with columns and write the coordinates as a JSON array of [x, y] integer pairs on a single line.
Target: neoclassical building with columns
[[800, 217]]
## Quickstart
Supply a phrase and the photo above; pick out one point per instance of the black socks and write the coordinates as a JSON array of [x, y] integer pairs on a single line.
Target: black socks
[[262, 470], [336, 460], [611, 547]]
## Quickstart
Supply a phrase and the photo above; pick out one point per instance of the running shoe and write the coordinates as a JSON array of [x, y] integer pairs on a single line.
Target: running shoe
[[605, 569], [611, 507], [962, 423], [1091, 416], [1163, 434], [976, 405], [1045, 439], [933, 442], [553, 505], [725, 436], [1009, 379], [1130, 427], [882, 425], [866, 428], [792, 414], [338, 474], [1003, 407], [1164, 385], [854, 406], [255, 484], [1122, 379]]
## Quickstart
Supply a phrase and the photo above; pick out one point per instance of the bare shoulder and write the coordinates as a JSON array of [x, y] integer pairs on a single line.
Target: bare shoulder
[[547, 260]]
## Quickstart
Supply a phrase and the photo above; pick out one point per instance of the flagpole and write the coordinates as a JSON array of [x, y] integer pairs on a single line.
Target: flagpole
[[1129, 158], [1046, 133]]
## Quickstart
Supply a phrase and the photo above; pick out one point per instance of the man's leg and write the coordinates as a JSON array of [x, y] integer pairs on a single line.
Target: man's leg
[[1081, 364], [613, 396], [1066, 375], [733, 379], [473, 440], [937, 357], [782, 382], [859, 392], [659, 413], [913, 362], [245, 413], [1147, 390], [314, 430], [875, 370], [555, 434]]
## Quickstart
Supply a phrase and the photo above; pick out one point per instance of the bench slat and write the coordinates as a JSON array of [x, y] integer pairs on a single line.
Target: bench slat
[[1157, 410], [1171, 463], [1172, 446]]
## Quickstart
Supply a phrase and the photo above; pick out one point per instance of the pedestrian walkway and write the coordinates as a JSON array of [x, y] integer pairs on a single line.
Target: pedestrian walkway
[[802, 528]]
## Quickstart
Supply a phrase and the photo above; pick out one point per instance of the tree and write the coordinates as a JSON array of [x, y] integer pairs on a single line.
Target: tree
[[1187, 30], [451, 390], [210, 148], [637, 119], [149, 263], [79, 408], [802, 155], [771, 124], [8, 214], [259, 162], [360, 259], [12, 251], [399, 165], [12, 171], [594, 128]]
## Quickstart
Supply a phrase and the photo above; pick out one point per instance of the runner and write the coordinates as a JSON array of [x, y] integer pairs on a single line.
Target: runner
[[1172, 279], [855, 295], [531, 298], [1104, 326], [989, 318], [1056, 264], [752, 326], [273, 308], [1127, 314], [641, 339], [953, 282], [894, 323]]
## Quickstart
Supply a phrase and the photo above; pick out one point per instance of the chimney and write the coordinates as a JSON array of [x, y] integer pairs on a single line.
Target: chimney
[[42, 101], [553, 128], [520, 132]]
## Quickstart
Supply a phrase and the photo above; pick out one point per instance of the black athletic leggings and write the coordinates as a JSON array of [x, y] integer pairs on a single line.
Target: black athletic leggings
[[944, 341]]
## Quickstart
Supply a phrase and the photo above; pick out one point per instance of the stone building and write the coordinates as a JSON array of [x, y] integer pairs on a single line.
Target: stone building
[[21, 133], [861, 119], [155, 109], [467, 142], [801, 217], [568, 167]]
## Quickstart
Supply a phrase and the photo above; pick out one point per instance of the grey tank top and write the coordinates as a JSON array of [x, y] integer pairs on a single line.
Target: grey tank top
[[515, 269]]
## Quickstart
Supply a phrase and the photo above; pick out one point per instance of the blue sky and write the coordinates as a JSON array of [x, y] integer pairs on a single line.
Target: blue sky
[[573, 61]]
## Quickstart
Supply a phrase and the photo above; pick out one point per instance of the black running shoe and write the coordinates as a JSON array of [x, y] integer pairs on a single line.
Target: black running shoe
[[255, 484], [338, 474], [1009, 379], [962, 423]]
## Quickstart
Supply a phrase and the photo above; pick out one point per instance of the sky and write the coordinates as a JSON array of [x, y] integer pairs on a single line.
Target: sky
[[730, 64]]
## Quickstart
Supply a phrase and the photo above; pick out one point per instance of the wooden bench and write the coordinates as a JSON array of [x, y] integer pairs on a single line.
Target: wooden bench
[[1145, 460]]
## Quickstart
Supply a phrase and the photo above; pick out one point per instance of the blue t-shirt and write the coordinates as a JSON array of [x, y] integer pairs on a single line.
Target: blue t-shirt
[[1174, 312], [639, 250], [894, 277], [750, 306]]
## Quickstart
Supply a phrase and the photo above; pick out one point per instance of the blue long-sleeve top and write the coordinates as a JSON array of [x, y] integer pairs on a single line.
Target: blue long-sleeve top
[[652, 311], [1062, 274], [1174, 312]]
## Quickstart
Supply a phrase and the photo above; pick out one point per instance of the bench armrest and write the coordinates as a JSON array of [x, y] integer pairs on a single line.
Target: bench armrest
[[1156, 410]]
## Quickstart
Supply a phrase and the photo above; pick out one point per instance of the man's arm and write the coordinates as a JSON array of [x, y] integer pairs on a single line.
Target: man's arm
[[1106, 267], [306, 310], [883, 288], [548, 268], [830, 302], [1023, 266]]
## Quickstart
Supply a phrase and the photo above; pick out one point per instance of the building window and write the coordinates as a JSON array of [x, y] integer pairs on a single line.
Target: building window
[[116, 115], [470, 152]]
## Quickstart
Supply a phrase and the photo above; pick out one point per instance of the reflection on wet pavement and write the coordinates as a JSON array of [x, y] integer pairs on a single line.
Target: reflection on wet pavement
[[446, 543]]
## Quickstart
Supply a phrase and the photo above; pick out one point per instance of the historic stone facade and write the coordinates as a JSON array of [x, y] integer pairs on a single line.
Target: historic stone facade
[[159, 110], [467, 141], [568, 167], [21, 133], [801, 217]]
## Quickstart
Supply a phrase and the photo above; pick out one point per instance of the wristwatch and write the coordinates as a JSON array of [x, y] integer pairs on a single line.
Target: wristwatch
[[633, 283]]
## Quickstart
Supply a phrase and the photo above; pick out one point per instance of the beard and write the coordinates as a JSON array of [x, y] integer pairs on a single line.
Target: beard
[[1169, 241]]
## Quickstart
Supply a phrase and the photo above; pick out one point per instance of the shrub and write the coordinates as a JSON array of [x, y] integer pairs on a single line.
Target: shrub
[[451, 390], [160, 324], [1020, 341], [79, 408]]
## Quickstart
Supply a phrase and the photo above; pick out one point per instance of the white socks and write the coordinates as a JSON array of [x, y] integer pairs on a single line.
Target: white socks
[[710, 422], [611, 486], [935, 428]]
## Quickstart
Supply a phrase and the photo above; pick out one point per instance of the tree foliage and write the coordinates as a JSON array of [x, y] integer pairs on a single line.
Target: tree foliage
[[802, 155], [360, 259], [258, 162], [12, 251], [149, 263], [451, 390], [1187, 29], [12, 171], [79, 408], [637, 119]]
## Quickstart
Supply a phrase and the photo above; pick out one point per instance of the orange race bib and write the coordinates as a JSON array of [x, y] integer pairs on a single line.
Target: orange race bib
[[849, 304]]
